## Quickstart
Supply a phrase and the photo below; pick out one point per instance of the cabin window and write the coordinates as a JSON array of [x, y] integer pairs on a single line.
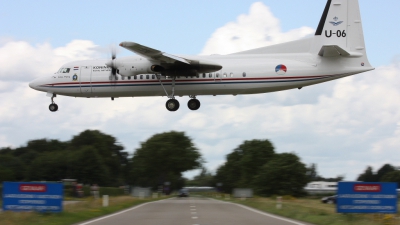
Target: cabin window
[[197, 76], [147, 77], [225, 75], [210, 75], [135, 77], [204, 75], [129, 77], [244, 74], [217, 75], [141, 77], [122, 77], [231, 74], [153, 76]]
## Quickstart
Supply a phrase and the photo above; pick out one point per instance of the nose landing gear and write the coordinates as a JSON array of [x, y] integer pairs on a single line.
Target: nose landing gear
[[53, 107]]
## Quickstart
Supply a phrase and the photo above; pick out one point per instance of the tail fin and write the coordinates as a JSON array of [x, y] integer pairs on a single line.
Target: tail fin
[[340, 32]]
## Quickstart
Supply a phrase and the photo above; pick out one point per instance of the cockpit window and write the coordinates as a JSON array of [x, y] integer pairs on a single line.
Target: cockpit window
[[64, 70]]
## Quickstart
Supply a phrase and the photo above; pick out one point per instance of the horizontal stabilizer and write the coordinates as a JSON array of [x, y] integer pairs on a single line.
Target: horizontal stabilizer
[[335, 50]]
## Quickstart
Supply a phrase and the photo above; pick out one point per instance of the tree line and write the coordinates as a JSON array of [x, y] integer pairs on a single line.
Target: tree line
[[93, 157], [387, 173]]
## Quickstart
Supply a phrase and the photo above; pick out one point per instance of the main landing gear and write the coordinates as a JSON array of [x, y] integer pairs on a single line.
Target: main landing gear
[[172, 104], [193, 104], [53, 106]]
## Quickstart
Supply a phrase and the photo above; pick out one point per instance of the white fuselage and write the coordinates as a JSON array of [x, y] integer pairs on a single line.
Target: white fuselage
[[240, 74]]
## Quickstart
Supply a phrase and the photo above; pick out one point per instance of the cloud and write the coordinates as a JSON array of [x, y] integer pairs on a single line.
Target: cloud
[[257, 29], [22, 61]]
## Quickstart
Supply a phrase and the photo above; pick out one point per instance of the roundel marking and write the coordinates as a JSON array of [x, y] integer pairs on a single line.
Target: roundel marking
[[75, 77], [281, 69]]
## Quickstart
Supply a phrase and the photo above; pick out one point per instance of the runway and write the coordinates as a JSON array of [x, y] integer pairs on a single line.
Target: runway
[[191, 211]]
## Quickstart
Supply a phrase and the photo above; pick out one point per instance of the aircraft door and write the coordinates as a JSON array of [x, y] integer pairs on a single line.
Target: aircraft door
[[85, 79]]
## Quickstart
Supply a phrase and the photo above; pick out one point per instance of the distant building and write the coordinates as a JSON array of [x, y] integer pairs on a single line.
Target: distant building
[[321, 187], [242, 193], [200, 189]]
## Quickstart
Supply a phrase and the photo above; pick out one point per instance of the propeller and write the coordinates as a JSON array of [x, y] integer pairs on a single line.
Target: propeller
[[112, 63]]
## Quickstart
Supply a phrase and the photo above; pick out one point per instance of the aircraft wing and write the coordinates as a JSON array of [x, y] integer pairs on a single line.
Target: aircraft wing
[[152, 54]]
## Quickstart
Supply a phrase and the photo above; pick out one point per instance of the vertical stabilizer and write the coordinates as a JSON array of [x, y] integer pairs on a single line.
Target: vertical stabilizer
[[340, 32]]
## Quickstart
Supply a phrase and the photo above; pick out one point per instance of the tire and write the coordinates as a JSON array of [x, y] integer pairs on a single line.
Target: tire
[[193, 104], [172, 105], [53, 107]]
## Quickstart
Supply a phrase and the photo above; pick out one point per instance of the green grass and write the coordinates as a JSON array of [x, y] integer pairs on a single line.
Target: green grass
[[313, 211], [72, 213]]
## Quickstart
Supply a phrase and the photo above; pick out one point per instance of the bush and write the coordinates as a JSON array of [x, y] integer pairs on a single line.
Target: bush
[[111, 191]]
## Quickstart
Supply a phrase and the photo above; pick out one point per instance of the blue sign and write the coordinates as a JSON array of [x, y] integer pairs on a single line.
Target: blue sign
[[366, 197], [42, 197]]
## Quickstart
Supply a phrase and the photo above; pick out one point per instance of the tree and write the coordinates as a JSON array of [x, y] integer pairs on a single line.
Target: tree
[[393, 176], [50, 166], [312, 172], [15, 165], [243, 164], [89, 168], [164, 157], [110, 152], [387, 168], [367, 176], [282, 175], [6, 174]]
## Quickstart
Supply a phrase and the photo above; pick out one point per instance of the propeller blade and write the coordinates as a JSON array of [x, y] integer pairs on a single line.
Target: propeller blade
[[113, 52]]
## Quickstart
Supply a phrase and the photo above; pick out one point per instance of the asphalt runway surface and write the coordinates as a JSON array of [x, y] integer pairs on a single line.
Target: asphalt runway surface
[[191, 211]]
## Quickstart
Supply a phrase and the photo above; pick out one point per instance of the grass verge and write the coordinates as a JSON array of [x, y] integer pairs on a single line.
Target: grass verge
[[313, 211], [73, 213]]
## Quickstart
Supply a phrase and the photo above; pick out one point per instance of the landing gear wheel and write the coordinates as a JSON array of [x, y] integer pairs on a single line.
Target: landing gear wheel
[[172, 105], [193, 104], [53, 107]]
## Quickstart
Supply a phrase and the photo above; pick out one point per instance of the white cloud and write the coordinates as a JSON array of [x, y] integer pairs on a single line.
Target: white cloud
[[257, 29], [23, 62]]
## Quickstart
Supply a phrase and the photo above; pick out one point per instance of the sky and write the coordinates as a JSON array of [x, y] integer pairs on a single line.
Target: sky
[[343, 126]]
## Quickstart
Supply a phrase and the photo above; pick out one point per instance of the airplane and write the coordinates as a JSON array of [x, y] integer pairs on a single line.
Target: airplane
[[336, 50]]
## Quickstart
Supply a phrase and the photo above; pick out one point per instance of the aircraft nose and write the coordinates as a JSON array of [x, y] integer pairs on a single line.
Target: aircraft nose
[[37, 83], [34, 84], [31, 85]]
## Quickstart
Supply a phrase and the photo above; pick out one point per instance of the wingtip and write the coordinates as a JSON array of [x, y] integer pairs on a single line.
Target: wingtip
[[127, 43]]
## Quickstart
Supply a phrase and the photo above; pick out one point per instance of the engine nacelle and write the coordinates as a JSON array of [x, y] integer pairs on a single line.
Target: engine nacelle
[[126, 68], [133, 69]]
